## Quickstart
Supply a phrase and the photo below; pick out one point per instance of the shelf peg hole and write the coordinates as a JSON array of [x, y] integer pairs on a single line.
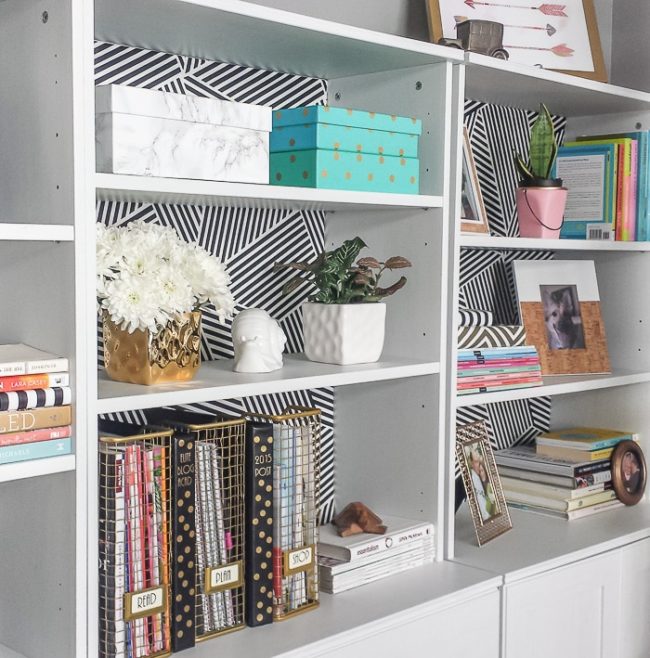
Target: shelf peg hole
[[45, 17], [418, 86], [638, 125], [337, 96]]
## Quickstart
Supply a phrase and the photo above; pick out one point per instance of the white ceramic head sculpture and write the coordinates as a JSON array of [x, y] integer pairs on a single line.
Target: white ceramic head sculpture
[[258, 341]]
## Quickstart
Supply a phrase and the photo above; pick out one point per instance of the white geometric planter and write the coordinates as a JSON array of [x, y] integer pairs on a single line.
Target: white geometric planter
[[344, 333]]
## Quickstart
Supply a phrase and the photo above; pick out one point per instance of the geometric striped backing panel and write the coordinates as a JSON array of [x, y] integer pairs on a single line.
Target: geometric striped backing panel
[[248, 241], [486, 276]]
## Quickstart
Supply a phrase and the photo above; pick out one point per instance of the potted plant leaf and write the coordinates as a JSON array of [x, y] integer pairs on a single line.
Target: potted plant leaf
[[541, 199], [344, 320]]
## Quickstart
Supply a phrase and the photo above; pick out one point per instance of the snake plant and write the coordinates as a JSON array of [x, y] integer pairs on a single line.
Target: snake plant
[[339, 280], [543, 151]]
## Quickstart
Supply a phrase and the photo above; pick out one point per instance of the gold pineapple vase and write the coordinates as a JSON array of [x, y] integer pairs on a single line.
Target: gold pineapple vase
[[170, 355]]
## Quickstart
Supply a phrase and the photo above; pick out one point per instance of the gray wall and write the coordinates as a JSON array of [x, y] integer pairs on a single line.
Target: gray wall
[[631, 44]]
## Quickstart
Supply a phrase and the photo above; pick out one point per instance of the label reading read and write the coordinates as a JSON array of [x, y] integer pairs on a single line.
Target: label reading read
[[144, 603], [227, 576], [299, 559]]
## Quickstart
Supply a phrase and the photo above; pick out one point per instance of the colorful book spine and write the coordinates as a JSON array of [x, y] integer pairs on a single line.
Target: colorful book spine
[[34, 419], [498, 353], [499, 377], [26, 382], [632, 192], [39, 450], [183, 576], [259, 529], [502, 364], [575, 454], [45, 434], [500, 387], [35, 398]]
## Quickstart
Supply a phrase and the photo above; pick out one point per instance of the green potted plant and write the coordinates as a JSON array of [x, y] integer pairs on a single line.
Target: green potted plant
[[541, 199], [344, 319]]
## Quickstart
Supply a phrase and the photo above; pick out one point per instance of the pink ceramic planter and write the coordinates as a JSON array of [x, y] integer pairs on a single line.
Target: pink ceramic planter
[[541, 211]]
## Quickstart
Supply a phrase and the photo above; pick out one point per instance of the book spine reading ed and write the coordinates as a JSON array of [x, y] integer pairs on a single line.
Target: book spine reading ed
[[24, 421], [259, 529]]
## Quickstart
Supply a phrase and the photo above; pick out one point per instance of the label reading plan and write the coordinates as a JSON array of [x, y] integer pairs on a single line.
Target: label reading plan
[[299, 559], [144, 603], [227, 576]]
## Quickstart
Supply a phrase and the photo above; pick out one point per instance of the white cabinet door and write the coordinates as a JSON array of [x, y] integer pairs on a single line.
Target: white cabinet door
[[567, 612], [635, 600], [470, 629]]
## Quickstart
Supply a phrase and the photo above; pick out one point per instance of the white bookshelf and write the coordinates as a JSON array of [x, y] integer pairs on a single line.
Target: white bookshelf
[[112, 187], [558, 385], [476, 241], [395, 419], [36, 468], [36, 232], [217, 381]]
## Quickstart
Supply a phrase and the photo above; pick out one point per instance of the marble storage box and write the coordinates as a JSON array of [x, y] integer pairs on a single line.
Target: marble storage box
[[145, 132], [343, 170]]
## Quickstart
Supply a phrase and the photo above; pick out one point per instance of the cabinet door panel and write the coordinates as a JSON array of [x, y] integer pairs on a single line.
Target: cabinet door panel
[[468, 629], [635, 600], [568, 612]]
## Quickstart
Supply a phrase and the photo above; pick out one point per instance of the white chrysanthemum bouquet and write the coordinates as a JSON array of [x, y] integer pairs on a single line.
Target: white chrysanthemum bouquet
[[147, 275]]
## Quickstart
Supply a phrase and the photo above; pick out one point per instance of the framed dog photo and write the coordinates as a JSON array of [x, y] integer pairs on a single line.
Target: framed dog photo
[[473, 218], [629, 472], [559, 306], [478, 469]]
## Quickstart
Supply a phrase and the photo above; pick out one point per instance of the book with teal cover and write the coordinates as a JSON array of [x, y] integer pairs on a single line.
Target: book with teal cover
[[583, 207], [40, 450], [643, 182]]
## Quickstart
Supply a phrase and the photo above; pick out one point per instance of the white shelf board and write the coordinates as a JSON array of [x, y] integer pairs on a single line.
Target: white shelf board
[[113, 187], [405, 596], [216, 381], [6, 652], [37, 232], [537, 543], [262, 37], [35, 468], [558, 385], [507, 83], [477, 241]]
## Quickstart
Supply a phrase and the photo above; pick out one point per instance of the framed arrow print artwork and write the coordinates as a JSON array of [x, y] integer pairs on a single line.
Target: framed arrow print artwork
[[559, 36]]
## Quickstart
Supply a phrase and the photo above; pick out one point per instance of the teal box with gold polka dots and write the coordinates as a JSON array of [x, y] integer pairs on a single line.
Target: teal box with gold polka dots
[[341, 116], [345, 170], [341, 129], [343, 138]]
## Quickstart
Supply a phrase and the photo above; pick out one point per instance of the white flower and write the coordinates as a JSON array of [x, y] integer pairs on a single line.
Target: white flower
[[132, 303], [146, 274]]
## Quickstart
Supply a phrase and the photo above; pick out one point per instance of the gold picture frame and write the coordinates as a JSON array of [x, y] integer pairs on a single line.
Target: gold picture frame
[[562, 30], [473, 218], [629, 472], [480, 476]]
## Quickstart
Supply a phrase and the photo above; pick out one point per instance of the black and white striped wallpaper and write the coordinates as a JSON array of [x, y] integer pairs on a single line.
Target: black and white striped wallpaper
[[486, 276], [248, 241]]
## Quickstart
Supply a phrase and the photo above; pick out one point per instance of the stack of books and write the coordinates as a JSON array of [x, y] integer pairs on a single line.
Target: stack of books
[[567, 474], [498, 369], [35, 413], [608, 179], [347, 562]]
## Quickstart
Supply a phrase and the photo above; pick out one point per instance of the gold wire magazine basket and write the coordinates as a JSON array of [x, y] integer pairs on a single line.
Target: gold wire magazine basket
[[134, 508], [296, 500], [213, 531]]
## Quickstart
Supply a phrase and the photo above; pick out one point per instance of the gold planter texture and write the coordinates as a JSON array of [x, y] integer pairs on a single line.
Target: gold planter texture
[[171, 355]]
